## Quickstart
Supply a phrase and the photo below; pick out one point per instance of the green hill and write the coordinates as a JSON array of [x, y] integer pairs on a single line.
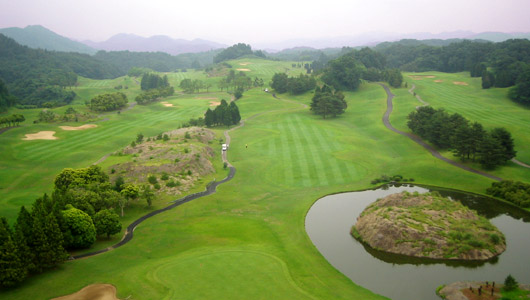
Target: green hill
[[38, 37]]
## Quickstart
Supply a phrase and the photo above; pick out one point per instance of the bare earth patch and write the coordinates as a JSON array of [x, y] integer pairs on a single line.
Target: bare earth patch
[[82, 127], [167, 104], [42, 135], [244, 70], [93, 292], [438, 80], [420, 77], [460, 83], [214, 103], [244, 64]]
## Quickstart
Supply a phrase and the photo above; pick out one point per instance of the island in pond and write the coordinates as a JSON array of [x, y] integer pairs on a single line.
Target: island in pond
[[429, 226]]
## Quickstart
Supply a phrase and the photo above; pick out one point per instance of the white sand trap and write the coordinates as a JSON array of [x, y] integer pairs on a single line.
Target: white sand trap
[[214, 103], [420, 77], [93, 292], [167, 104], [439, 80], [207, 98], [82, 127], [460, 83], [244, 70], [42, 135], [244, 64]]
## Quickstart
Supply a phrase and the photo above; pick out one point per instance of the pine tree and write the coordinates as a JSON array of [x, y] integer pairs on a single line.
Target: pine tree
[[209, 118], [22, 236], [12, 269], [234, 111]]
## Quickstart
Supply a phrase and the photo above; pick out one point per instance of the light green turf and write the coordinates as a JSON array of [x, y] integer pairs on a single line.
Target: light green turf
[[248, 240]]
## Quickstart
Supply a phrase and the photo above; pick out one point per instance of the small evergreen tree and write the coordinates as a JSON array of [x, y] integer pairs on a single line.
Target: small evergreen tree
[[510, 283]]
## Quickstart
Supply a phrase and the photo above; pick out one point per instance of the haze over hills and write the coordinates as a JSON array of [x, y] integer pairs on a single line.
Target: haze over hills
[[36, 36], [157, 43]]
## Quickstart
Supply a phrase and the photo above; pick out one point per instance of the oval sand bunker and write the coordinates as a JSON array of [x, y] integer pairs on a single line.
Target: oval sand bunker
[[93, 292], [42, 135]]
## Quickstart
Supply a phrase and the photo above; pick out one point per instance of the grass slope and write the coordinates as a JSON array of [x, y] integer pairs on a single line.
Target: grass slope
[[248, 240]]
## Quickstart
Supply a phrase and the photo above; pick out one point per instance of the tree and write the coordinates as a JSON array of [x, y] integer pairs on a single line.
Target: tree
[[325, 102], [108, 102], [23, 233], [510, 283], [79, 231], [490, 153], [280, 82], [12, 268], [139, 138], [107, 222], [344, 72], [129, 191], [521, 91], [147, 194], [506, 142], [209, 118], [234, 112], [488, 79]]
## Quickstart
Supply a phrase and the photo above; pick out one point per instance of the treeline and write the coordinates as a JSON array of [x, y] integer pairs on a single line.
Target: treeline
[[327, 102], [223, 114], [236, 51], [36, 76], [515, 192], [154, 94], [13, 120], [238, 82], [282, 83], [194, 85], [469, 141], [153, 81], [107, 102], [70, 114], [346, 71], [6, 100], [156, 61], [81, 208]]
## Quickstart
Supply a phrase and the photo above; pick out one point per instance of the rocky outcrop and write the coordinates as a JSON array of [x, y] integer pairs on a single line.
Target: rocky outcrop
[[428, 226]]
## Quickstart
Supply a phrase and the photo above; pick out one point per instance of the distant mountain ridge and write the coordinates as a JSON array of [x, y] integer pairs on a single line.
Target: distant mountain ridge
[[157, 43], [38, 37]]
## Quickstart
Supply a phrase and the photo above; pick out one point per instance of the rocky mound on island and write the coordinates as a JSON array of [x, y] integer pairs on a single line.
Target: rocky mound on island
[[429, 226]]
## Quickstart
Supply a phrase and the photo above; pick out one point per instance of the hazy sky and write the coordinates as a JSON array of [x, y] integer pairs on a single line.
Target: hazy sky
[[249, 21]]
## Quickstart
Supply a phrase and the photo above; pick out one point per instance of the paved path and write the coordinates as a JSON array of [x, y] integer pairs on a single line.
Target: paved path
[[417, 96], [522, 164], [386, 121]]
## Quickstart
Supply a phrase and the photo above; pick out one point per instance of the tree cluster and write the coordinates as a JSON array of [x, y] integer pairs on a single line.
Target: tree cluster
[[282, 83], [469, 141], [515, 192], [154, 94], [521, 91], [139, 71], [108, 102], [238, 81], [12, 120], [192, 86], [223, 114], [233, 52], [153, 81], [327, 102]]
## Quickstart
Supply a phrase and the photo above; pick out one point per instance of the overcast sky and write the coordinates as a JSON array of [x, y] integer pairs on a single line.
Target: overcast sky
[[252, 21]]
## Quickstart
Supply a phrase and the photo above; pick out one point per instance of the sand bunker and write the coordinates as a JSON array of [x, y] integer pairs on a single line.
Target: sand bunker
[[42, 135], [207, 98], [167, 104], [244, 70], [244, 64], [460, 83], [438, 80], [420, 77], [214, 103], [82, 127], [92, 292]]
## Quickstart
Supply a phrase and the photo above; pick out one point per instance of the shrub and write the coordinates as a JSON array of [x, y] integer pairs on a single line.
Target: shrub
[[510, 283], [157, 186], [164, 176], [152, 179]]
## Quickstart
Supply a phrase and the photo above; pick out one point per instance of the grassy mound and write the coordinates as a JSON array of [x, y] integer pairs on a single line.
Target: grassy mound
[[429, 226]]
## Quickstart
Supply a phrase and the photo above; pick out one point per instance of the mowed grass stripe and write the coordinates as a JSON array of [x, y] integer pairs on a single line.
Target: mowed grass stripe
[[290, 165], [335, 147], [300, 153], [313, 145], [334, 173]]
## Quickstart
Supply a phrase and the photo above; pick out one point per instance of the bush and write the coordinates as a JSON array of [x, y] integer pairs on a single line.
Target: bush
[[510, 283], [164, 176], [152, 179], [157, 186]]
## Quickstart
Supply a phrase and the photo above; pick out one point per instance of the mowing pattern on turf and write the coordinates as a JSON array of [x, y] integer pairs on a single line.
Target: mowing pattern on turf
[[305, 154]]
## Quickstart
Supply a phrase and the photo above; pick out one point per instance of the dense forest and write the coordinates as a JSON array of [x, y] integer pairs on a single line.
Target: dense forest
[[236, 51], [6, 100], [516, 192], [40, 78]]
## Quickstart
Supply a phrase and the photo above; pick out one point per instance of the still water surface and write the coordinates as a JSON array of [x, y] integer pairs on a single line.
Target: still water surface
[[330, 219]]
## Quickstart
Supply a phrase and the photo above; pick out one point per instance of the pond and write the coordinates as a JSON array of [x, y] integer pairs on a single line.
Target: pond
[[330, 219]]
